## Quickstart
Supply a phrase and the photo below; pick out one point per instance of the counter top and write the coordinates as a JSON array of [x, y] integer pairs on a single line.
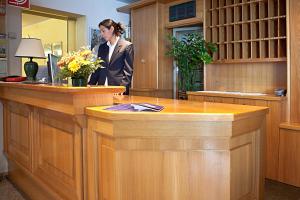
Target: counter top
[[60, 98], [243, 95], [64, 88], [178, 110]]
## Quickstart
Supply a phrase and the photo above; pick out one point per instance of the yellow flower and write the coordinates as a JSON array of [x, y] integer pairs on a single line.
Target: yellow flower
[[73, 66], [85, 53]]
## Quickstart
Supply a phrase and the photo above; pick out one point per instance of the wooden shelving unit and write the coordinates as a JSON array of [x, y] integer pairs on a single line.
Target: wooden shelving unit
[[247, 30]]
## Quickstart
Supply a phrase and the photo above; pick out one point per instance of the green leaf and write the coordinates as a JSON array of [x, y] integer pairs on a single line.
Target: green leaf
[[189, 54]]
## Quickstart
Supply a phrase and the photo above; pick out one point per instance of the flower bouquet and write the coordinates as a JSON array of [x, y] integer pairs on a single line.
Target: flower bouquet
[[79, 65]]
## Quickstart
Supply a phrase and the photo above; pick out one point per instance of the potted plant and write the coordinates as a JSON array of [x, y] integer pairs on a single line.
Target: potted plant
[[79, 65], [189, 53]]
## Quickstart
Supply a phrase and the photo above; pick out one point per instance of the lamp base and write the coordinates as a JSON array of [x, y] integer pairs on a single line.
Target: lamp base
[[31, 68]]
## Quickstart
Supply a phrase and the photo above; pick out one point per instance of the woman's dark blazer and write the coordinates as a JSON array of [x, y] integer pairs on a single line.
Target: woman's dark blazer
[[120, 68]]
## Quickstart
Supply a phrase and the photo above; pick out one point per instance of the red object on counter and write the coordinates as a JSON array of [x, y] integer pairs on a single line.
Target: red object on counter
[[15, 79]]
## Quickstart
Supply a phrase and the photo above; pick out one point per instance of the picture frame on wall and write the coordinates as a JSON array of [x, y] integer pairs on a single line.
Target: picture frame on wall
[[57, 49], [47, 49], [95, 37]]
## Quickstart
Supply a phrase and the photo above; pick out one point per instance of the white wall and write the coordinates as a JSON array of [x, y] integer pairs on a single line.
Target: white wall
[[93, 12], [14, 29]]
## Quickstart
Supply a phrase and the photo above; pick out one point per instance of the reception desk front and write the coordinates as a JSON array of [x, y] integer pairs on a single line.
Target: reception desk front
[[188, 151], [44, 132]]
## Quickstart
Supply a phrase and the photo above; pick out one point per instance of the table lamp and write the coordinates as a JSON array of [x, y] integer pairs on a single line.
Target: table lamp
[[30, 48]]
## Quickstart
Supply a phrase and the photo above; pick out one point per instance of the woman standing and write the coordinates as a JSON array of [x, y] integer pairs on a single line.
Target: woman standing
[[117, 54]]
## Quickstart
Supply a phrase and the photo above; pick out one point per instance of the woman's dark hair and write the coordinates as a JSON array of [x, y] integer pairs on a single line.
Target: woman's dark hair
[[118, 27]]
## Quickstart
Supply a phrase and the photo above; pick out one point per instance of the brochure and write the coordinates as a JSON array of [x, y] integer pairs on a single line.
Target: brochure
[[136, 107]]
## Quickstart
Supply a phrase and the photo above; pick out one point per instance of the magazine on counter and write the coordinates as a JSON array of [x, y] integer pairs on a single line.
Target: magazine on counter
[[136, 107]]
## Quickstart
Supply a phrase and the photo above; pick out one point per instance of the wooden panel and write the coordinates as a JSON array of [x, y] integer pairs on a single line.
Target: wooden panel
[[106, 164], [145, 41], [242, 181], [289, 162], [149, 73], [165, 63], [185, 168], [294, 30], [58, 150], [196, 98], [255, 77], [31, 187], [43, 129], [18, 128], [44, 152], [173, 175], [275, 116], [159, 93]]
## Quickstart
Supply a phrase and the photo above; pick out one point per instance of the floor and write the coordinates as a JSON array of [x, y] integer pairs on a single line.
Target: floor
[[8, 191], [274, 191], [279, 191]]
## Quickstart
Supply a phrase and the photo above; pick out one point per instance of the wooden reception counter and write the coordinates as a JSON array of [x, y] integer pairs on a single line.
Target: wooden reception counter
[[44, 129], [189, 151]]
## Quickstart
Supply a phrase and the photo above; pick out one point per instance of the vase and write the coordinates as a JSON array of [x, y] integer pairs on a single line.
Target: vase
[[79, 82], [31, 69]]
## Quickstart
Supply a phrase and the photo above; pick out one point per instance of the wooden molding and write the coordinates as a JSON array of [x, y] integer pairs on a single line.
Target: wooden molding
[[184, 22], [267, 97], [290, 126], [252, 60], [138, 4]]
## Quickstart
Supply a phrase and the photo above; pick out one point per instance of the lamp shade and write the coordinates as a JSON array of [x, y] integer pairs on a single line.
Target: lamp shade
[[30, 48]]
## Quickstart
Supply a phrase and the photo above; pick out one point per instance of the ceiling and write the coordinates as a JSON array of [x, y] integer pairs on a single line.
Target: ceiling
[[128, 1]]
